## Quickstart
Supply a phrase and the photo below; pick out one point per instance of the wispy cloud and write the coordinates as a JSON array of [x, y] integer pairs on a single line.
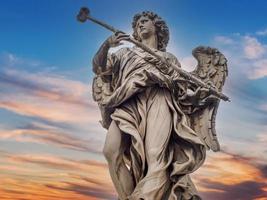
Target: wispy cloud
[[253, 49], [48, 82], [49, 97], [249, 190], [260, 69], [247, 77], [241, 120], [224, 40], [10, 60], [54, 162], [225, 175], [91, 192], [58, 111], [53, 178], [247, 53], [31, 190], [44, 134], [262, 32], [262, 138]]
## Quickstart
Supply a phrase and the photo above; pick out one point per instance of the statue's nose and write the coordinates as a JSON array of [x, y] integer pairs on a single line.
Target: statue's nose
[[141, 26]]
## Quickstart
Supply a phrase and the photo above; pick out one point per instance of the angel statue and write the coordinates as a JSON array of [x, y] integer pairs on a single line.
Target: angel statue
[[159, 123]]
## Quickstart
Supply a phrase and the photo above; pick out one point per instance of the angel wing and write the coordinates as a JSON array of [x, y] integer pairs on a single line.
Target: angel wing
[[101, 89], [212, 69]]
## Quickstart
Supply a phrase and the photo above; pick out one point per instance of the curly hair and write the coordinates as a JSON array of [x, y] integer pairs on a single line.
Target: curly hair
[[162, 29]]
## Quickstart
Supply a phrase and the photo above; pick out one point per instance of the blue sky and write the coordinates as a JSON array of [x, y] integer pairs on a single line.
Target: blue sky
[[47, 30], [49, 122]]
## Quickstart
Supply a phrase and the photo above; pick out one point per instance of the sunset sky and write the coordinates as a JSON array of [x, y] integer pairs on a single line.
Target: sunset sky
[[50, 137]]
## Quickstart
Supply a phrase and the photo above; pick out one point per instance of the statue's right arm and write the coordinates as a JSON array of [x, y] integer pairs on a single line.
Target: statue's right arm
[[100, 58]]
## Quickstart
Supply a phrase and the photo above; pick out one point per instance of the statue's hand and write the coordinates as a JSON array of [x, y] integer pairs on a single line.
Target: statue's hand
[[202, 96], [201, 93], [115, 40]]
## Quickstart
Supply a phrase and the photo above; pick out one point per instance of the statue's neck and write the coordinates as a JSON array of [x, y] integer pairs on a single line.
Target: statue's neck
[[151, 42]]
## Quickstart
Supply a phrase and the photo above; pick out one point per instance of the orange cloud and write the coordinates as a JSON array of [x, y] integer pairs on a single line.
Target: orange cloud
[[58, 112], [225, 175], [48, 96], [26, 189], [53, 178], [261, 198], [230, 170], [64, 103]]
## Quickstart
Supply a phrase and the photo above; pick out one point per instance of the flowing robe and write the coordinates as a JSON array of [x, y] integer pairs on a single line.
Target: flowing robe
[[144, 103]]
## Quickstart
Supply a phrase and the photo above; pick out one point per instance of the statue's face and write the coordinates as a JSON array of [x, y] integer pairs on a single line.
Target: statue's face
[[145, 27]]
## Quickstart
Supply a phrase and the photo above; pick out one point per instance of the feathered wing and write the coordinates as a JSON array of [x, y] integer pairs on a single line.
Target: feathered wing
[[212, 69], [102, 90]]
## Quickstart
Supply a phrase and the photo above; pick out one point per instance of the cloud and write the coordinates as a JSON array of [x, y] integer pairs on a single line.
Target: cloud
[[86, 179], [262, 32], [188, 63], [247, 54], [262, 138], [232, 176], [246, 191], [39, 108], [263, 169], [253, 49], [243, 118], [10, 60], [54, 178], [50, 86], [44, 134], [18, 189], [56, 110], [245, 83], [224, 176], [54, 162], [224, 40], [96, 192], [47, 96], [46, 161], [260, 69], [231, 169]]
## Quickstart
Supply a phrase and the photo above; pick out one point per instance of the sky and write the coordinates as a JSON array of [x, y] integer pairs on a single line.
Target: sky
[[50, 137]]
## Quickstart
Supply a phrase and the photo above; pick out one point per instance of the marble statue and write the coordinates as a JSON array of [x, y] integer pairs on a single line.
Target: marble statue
[[160, 124]]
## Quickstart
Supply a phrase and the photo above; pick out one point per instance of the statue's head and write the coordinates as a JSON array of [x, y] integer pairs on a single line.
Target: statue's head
[[147, 23]]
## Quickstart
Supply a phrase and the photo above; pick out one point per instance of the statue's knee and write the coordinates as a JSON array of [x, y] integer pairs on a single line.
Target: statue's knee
[[110, 153], [152, 154], [106, 152]]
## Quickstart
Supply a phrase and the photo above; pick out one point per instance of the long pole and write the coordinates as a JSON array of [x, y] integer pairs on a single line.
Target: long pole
[[84, 15]]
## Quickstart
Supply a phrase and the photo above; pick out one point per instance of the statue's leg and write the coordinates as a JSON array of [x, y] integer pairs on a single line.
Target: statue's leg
[[114, 148], [158, 132]]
